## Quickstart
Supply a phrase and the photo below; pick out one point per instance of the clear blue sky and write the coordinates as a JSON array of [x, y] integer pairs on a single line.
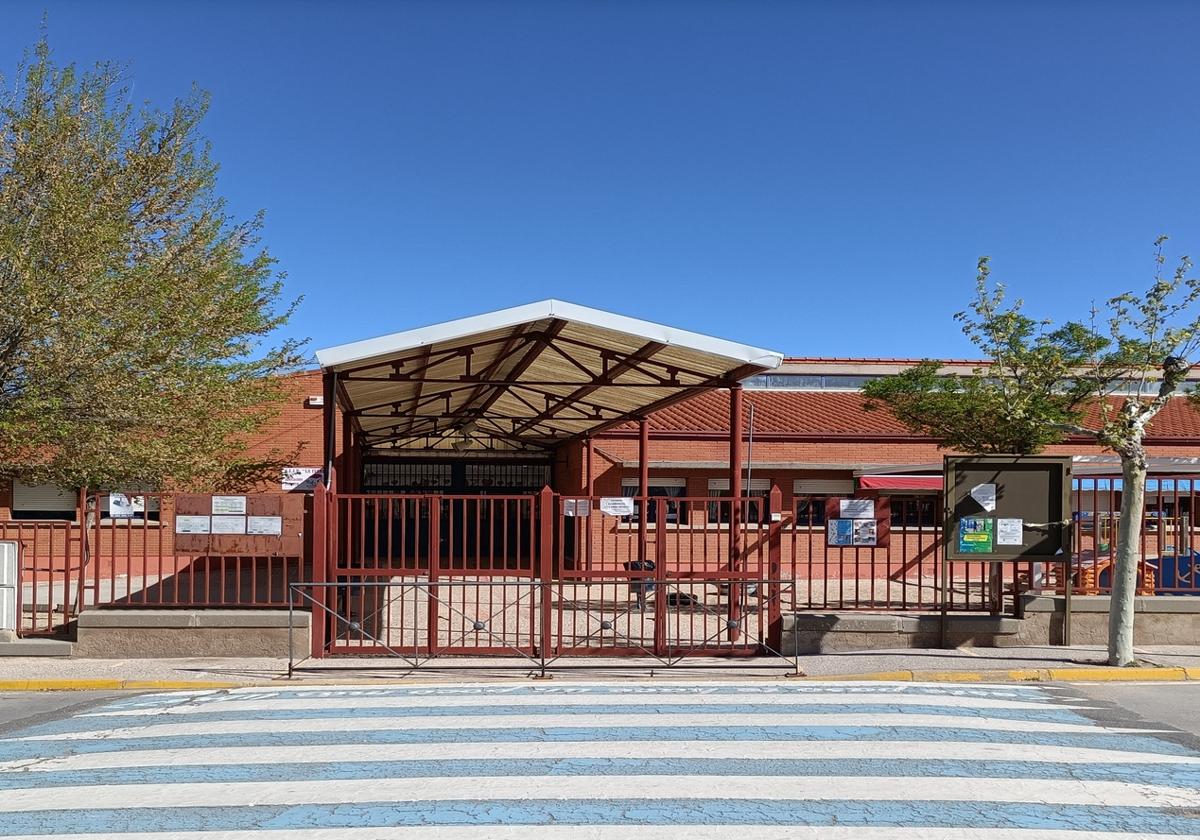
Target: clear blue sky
[[815, 178]]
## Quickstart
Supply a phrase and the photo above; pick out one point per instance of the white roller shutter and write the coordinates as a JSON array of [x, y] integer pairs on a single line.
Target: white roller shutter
[[823, 487], [43, 497]]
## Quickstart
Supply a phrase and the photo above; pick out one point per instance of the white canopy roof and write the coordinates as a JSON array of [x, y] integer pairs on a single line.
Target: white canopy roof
[[526, 377]]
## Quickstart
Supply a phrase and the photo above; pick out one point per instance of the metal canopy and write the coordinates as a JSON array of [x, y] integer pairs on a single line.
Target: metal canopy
[[526, 378]]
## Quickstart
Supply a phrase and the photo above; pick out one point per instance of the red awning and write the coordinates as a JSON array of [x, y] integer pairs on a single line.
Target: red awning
[[900, 482]]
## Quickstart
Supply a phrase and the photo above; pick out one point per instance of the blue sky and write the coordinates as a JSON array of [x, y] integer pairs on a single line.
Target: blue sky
[[815, 178]]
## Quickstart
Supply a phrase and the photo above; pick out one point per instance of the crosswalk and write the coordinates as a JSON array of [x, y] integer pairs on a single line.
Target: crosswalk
[[743, 760]]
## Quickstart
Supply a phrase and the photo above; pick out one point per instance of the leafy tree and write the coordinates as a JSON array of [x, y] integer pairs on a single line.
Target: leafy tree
[[134, 311], [1039, 382]]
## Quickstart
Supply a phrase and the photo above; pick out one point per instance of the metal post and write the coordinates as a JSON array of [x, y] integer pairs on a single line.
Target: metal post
[[348, 483], [643, 484], [774, 569], [590, 490], [735, 507], [589, 483], [320, 568], [330, 427], [548, 511]]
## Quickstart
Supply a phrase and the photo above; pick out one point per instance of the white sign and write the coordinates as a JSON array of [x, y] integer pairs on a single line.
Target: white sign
[[985, 494], [577, 507], [1010, 531], [304, 479], [229, 505], [191, 525], [617, 505], [865, 532], [271, 526], [857, 508], [121, 506], [229, 524]]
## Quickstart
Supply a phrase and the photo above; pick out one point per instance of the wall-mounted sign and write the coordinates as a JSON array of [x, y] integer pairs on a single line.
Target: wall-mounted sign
[[231, 505], [985, 494], [862, 532], [300, 479], [121, 506], [191, 524], [577, 507], [856, 508], [1010, 531], [271, 526], [228, 524], [617, 505], [976, 535]]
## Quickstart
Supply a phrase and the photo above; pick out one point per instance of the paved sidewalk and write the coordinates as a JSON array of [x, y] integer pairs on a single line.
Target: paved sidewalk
[[966, 665]]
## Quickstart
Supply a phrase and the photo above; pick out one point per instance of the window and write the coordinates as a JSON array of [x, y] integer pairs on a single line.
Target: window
[[915, 511], [810, 511], [670, 488], [43, 502], [812, 493], [756, 510]]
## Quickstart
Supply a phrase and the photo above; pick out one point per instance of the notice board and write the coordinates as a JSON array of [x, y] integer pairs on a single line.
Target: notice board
[[253, 524], [1007, 507]]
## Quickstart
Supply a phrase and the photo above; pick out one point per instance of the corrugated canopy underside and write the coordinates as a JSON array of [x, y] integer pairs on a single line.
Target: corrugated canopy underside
[[526, 378]]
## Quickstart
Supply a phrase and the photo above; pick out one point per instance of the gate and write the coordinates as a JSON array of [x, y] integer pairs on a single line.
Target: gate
[[544, 576]]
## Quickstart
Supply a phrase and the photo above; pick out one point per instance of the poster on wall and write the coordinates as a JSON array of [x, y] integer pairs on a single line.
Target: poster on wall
[[229, 524], [577, 507], [1010, 531], [839, 532], [121, 506], [191, 524], [229, 505], [617, 505], [268, 526], [300, 479], [976, 535], [985, 495], [856, 508], [864, 531]]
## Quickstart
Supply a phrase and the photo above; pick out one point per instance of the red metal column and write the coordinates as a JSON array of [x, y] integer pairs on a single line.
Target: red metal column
[[771, 581], [735, 508], [320, 570], [643, 484], [330, 427], [548, 513], [589, 487]]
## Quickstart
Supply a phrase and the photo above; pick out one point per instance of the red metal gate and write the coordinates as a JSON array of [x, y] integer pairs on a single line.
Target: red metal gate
[[544, 575]]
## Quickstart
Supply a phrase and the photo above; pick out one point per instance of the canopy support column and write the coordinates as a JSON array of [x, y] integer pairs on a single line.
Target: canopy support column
[[736, 591], [329, 412], [643, 483]]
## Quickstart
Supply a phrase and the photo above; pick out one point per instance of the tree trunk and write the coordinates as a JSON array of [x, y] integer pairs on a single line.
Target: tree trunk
[[1128, 558]]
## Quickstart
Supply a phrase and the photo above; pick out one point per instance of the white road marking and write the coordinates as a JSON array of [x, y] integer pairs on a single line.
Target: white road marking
[[475, 788], [831, 750], [592, 721], [624, 832], [268, 703]]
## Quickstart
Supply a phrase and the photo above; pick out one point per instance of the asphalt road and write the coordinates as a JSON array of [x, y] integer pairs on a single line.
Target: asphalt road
[[610, 760]]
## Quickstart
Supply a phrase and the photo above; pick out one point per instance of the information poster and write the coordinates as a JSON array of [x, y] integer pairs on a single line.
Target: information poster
[[235, 505], [857, 508], [577, 507], [228, 524], [839, 532], [617, 505], [269, 526], [985, 494], [191, 524], [121, 506], [976, 535], [865, 531], [1010, 531], [300, 479]]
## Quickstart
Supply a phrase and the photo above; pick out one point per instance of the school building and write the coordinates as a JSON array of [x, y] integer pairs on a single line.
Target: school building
[[450, 471]]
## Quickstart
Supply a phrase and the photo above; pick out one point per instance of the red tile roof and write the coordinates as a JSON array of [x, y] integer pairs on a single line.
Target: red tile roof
[[843, 413]]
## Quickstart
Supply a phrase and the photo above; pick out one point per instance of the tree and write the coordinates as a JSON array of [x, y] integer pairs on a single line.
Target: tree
[[1039, 382], [135, 313]]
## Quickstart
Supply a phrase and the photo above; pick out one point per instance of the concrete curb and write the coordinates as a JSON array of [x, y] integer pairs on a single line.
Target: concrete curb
[[1019, 675], [113, 685]]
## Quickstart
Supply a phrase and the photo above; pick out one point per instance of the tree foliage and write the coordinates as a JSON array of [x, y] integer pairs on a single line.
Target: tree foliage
[[135, 313], [1100, 380]]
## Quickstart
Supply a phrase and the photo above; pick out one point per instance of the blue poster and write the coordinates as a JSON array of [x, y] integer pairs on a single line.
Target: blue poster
[[840, 532]]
